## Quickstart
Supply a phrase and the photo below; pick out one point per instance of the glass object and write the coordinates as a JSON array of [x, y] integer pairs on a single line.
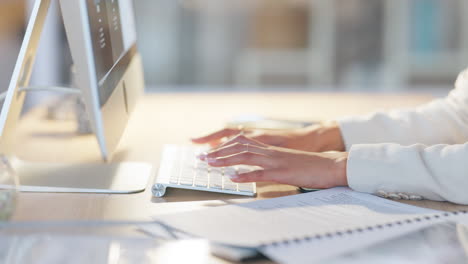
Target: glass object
[[9, 184]]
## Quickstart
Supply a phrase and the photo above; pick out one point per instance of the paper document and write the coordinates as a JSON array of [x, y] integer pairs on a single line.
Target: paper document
[[438, 243], [347, 245], [293, 217], [322, 249]]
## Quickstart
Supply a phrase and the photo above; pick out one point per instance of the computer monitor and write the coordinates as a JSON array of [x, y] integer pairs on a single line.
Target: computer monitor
[[14, 99], [101, 35], [102, 38]]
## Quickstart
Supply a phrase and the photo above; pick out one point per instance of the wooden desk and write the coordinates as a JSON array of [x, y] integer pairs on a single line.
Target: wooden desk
[[173, 118]]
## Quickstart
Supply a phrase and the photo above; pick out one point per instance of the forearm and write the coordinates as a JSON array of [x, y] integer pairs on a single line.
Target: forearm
[[431, 124], [438, 172], [443, 121]]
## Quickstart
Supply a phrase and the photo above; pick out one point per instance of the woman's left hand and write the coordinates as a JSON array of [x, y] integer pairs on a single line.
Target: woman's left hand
[[280, 165]]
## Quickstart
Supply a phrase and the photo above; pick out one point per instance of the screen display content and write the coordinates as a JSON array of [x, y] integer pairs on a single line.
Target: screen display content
[[113, 39]]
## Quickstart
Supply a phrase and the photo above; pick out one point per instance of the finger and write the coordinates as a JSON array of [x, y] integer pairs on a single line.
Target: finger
[[242, 139], [216, 136], [244, 158], [267, 139], [261, 138], [215, 143], [272, 175], [235, 149]]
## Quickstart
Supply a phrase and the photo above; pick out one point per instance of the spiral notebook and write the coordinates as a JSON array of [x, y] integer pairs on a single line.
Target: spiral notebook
[[319, 224], [320, 249]]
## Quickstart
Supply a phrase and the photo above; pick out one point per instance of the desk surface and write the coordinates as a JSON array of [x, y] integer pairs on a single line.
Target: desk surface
[[173, 118]]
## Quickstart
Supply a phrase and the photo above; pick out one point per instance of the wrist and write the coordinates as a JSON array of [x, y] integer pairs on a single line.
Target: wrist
[[327, 137], [334, 133], [340, 169]]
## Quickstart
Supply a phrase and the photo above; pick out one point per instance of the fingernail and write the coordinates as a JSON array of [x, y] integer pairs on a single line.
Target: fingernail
[[211, 160], [234, 177], [231, 174], [202, 156]]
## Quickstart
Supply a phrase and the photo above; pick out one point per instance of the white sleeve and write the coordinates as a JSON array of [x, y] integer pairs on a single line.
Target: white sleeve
[[443, 121], [430, 157], [437, 172]]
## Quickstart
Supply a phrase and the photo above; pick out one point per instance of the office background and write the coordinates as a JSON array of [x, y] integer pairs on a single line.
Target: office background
[[264, 45]]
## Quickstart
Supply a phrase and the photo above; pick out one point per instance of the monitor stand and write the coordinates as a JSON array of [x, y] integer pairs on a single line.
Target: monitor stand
[[118, 178], [125, 177]]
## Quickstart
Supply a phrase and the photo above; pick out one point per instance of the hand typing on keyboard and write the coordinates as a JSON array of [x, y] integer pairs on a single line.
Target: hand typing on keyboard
[[315, 138], [181, 169], [277, 164]]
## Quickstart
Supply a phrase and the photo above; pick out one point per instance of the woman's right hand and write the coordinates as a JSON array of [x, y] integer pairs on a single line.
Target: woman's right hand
[[280, 165], [316, 138]]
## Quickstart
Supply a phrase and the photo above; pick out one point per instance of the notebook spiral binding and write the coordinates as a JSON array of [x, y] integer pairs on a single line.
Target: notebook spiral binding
[[359, 230]]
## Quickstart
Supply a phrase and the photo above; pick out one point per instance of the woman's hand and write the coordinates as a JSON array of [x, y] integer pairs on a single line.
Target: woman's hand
[[315, 138], [280, 165]]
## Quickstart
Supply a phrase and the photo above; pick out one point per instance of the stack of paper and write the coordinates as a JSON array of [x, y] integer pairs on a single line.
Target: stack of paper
[[319, 224]]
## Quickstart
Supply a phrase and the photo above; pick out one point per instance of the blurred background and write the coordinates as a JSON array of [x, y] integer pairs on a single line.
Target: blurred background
[[272, 45]]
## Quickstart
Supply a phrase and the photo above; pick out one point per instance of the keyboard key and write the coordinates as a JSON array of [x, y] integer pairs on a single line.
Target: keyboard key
[[186, 179], [201, 183], [216, 182], [175, 168], [187, 172], [230, 171], [186, 182], [246, 187], [229, 185], [216, 173], [175, 174], [201, 178], [202, 165], [174, 180]]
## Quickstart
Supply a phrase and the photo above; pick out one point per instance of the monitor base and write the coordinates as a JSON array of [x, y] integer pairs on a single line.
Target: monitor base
[[109, 178]]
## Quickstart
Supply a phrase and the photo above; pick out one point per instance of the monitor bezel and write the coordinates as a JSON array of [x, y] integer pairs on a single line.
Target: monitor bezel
[[14, 99], [107, 127]]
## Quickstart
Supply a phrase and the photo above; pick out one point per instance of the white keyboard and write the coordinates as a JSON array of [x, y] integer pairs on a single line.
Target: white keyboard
[[180, 168]]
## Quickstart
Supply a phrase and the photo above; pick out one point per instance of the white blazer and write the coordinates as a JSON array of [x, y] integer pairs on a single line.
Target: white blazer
[[412, 154]]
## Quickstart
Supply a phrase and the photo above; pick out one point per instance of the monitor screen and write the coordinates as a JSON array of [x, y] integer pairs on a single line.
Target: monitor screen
[[113, 33]]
